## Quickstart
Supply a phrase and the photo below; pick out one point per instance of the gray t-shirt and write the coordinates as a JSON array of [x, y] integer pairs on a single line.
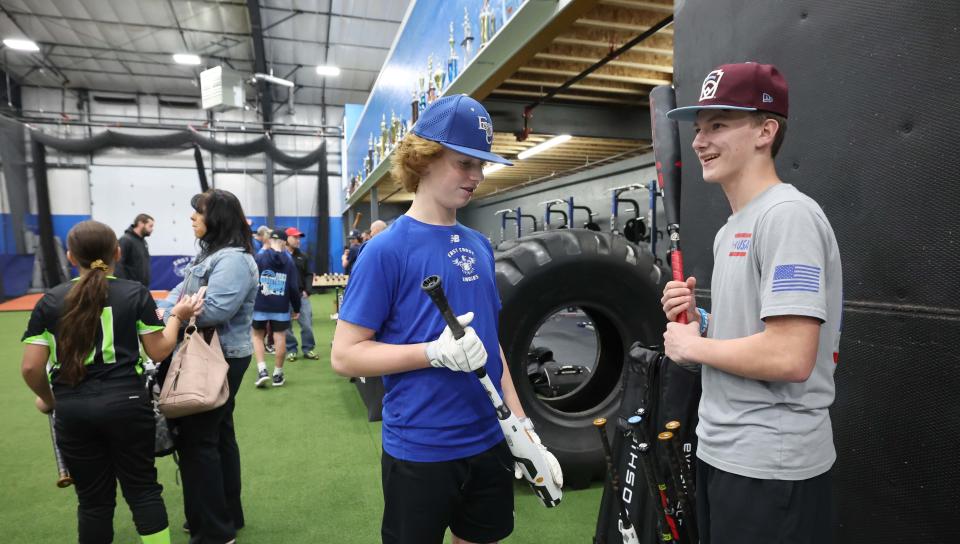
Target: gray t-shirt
[[776, 256]]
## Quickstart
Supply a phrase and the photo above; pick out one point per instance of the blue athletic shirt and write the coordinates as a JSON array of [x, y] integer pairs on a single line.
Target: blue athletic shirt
[[431, 414]]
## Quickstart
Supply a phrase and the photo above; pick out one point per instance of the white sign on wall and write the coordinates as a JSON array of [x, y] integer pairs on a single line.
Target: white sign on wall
[[119, 193]]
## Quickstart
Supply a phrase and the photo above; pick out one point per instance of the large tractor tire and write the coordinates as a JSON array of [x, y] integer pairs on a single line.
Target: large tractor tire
[[617, 285]]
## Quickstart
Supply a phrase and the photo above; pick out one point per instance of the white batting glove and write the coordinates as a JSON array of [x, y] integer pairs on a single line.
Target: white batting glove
[[555, 471], [464, 355]]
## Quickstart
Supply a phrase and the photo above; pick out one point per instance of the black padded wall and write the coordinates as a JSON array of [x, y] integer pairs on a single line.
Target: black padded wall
[[872, 136]]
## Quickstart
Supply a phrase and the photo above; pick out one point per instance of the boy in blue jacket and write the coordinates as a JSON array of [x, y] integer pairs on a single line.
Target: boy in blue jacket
[[278, 292]]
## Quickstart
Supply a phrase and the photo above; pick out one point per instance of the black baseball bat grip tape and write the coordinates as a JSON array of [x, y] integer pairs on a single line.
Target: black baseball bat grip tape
[[433, 286]]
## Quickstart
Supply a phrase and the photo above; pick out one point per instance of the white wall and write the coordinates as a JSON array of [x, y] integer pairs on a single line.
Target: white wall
[[70, 187]]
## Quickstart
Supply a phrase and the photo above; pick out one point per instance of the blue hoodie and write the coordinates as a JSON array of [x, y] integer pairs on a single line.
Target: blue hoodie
[[278, 288]]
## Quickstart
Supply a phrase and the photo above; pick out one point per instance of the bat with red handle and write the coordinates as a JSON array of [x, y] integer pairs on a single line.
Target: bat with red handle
[[666, 152]]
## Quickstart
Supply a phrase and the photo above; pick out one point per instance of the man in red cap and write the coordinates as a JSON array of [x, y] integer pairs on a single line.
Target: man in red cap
[[768, 349], [305, 277]]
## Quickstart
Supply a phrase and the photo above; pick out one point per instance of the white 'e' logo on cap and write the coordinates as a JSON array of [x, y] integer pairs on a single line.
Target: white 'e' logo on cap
[[486, 127], [710, 84]]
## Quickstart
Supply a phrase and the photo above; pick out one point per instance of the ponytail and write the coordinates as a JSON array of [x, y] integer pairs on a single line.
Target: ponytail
[[93, 245]]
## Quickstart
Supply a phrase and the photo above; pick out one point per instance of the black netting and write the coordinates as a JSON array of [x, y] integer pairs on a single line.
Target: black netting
[[183, 139]]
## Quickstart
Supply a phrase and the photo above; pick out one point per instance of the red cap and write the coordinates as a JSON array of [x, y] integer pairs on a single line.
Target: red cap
[[746, 86], [293, 231]]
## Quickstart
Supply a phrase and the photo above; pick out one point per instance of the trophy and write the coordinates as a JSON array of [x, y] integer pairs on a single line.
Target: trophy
[[439, 78], [506, 11], [366, 167], [423, 94], [452, 70], [394, 130], [370, 147], [467, 42], [414, 106], [488, 23], [384, 135], [431, 89]]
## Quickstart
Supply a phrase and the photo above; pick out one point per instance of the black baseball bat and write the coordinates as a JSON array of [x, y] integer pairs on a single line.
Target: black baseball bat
[[657, 484], [525, 452], [666, 153], [664, 533], [63, 475], [628, 534], [683, 501], [685, 472]]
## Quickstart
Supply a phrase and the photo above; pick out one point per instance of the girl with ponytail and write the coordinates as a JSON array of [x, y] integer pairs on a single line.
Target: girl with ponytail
[[82, 356]]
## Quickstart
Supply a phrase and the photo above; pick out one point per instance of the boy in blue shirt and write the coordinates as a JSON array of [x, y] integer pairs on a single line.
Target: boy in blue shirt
[[445, 461], [278, 291]]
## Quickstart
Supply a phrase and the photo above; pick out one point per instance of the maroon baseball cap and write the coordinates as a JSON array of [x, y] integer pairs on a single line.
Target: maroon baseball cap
[[294, 232], [746, 86]]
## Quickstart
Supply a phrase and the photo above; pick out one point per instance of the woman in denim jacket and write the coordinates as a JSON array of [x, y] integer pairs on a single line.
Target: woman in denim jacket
[[207, 445]]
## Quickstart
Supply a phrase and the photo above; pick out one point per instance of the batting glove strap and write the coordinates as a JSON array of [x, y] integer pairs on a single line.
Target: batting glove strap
[[556, 472]]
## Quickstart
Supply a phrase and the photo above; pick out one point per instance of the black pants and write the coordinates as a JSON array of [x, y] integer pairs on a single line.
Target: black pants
[[210, 467], [105, 431], [737, 509]]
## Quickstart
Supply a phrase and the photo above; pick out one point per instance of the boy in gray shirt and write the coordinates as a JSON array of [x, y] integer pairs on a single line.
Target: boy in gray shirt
[[769, 348]]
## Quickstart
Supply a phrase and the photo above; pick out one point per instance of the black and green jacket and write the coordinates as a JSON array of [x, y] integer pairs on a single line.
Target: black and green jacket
[[130, 312]]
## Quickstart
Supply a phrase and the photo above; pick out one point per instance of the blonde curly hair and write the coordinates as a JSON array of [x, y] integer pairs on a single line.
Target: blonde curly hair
[[410, 160]]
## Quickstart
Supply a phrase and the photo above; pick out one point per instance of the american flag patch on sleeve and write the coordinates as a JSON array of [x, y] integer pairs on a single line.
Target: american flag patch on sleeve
[[796, 277]]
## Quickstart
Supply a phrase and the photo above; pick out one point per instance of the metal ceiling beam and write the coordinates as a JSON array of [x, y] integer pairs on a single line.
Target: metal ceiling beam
[[120, 23], [266, 102], [43, 60], [176, 20], [318, 42], [341, 15], [326, 56], [113, 73], [167, 55]]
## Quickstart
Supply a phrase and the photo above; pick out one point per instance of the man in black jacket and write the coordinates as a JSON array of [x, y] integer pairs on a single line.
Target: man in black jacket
[[305, 277], [134, 261]]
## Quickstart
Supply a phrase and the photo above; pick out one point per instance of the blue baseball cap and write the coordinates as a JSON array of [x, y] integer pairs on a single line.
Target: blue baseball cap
[[459, 123]]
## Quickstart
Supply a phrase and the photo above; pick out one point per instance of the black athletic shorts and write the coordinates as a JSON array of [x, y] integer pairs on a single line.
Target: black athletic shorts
[[275, 326], [737, 509], [471, 496]]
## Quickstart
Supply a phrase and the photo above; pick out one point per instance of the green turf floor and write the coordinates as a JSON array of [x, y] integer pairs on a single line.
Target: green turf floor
[[310, 458]]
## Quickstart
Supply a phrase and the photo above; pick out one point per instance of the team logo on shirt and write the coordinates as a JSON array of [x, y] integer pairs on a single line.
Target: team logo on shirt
[[273, 283], [464, 259], [741, 243], [454, 238]]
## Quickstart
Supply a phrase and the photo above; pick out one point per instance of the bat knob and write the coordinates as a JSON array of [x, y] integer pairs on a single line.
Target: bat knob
[[600, 422], [66, 481]]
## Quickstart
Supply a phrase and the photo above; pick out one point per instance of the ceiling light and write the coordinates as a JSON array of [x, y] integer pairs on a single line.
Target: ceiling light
[[492, 168], [328, 71], [552, 142], [21, 45], [186, 58]]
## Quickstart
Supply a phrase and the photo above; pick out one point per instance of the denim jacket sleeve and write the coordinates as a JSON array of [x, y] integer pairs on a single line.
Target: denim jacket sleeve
[[170, 301], [227, 286]]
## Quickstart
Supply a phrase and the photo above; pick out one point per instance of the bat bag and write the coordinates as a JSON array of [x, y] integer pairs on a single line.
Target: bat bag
[[665, 392]]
